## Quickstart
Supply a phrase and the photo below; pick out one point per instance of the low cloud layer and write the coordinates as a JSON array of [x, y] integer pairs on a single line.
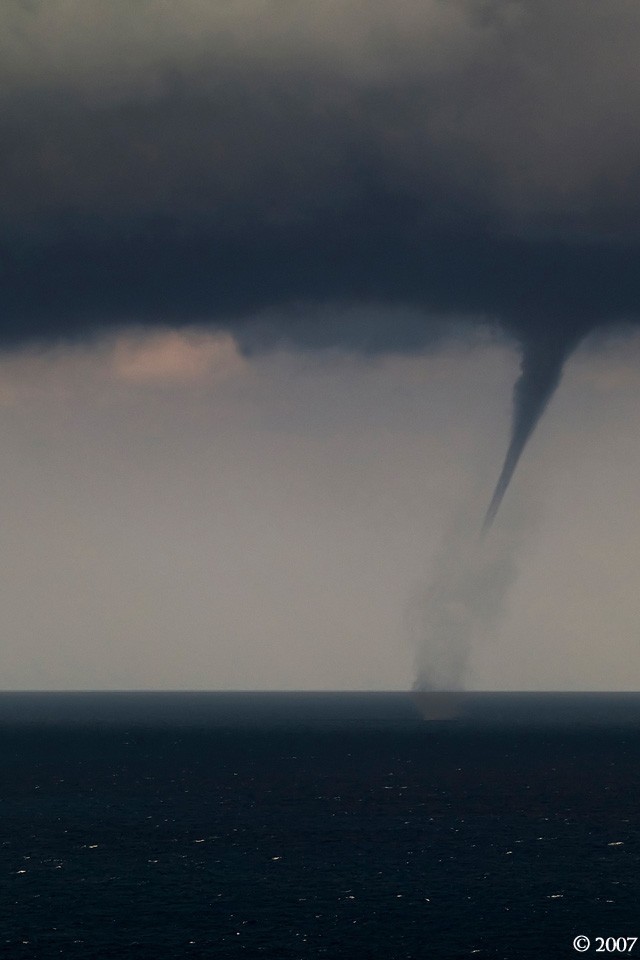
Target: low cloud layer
[[214, 162]]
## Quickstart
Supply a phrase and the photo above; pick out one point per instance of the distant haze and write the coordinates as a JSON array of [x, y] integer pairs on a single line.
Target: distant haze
[[272, 523]]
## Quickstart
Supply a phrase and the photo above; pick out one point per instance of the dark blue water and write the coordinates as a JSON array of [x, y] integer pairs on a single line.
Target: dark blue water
[[317, 825]]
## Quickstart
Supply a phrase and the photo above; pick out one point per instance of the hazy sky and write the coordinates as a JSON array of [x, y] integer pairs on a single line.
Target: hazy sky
[[177, 516], [270, 270]]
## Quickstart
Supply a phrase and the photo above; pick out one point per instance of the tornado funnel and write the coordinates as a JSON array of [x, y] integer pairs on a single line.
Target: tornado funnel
[[540, 372]]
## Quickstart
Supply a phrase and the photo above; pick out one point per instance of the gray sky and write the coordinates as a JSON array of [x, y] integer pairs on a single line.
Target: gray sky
[[178, 516], [380, 216]]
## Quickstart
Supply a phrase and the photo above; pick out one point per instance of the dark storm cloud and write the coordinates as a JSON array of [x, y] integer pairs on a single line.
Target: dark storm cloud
[[243, 162], [218, 161]]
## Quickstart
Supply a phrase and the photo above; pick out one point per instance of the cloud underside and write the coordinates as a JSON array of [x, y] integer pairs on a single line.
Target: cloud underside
[[240, 164]]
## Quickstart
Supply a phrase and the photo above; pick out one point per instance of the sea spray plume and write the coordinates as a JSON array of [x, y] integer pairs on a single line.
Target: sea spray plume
[[540, 372], [458, 612]]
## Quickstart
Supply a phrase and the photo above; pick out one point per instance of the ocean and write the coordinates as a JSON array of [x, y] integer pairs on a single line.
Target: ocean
[[255, 825]]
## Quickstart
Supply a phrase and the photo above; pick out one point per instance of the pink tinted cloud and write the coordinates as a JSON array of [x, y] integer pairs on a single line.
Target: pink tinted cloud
[[176, 357]]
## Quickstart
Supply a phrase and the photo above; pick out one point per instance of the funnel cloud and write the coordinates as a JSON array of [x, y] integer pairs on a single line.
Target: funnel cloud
[[540, 373]]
